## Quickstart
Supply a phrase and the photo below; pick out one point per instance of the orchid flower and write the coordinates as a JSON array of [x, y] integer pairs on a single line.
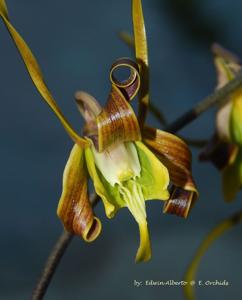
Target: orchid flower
[[225, 148], [127, 161]]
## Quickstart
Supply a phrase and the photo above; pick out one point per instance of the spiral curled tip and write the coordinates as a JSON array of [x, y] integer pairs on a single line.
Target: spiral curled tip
[[176, 156], [117, 122]]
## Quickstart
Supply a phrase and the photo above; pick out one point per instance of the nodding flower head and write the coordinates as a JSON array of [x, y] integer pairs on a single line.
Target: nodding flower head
[[225, 148], [127, 161]]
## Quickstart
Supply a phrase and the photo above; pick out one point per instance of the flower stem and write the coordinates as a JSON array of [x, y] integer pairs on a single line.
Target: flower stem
[[51, 265], [158, 114], [213, 99], [213, 235], [54, 259]]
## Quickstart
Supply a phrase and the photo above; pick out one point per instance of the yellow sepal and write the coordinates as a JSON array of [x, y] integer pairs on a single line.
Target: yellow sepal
[[36, 75]]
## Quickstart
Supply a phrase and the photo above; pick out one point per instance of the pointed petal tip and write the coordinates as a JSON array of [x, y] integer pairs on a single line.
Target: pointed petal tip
[[220, 51], [144, 251]]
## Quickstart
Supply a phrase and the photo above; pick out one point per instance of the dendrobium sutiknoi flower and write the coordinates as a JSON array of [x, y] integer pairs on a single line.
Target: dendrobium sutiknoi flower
[[127, 161], [225, 148]]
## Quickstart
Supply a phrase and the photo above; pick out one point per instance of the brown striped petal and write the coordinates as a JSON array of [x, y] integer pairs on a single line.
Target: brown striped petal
[[176, 156], [180, 202], [74, 208], [130, 86], [90, 109], [117, 122]]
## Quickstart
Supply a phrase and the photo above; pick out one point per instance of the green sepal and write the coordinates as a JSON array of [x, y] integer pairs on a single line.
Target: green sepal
[[107, 193], [236, 119], [154, 177], [232, 178]]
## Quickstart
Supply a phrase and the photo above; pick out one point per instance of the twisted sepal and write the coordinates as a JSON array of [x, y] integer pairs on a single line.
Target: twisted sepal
[[36, 74], [74, 208], [141, 54], [117, 122], [176, 156]]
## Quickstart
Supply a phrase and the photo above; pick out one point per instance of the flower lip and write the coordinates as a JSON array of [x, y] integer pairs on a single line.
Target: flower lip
[[118, 163]]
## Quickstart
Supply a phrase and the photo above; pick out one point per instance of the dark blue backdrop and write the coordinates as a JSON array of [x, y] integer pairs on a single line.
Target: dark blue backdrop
[[75, 43]]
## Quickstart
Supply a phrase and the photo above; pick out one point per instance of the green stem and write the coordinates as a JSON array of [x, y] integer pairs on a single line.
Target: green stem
[[159, 116], [215, 98], [209, 239]]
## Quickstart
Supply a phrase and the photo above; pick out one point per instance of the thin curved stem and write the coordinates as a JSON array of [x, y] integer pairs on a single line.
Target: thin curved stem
[[51, 265], [209, 239], [215, 98], [158, 114], [195, 142], [160, 117], [54, 259]]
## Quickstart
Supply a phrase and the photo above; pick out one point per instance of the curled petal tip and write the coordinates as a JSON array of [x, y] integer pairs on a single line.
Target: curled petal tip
[[91, 232], [117, 122], [129, 86], [180, 202], [176, 156]]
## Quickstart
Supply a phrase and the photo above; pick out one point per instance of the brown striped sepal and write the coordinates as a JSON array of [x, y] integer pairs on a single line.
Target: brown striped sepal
[[130, 86], [90, 109], [117, 122], [176, 156], [74, 208], [180, 202]]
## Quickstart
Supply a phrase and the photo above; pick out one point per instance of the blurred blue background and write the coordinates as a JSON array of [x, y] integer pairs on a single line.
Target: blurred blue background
[[75, 43]]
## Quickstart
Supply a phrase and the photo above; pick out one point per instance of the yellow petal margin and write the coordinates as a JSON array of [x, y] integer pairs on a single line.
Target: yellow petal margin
[[117, 122], [74, 208], [36, 75], [109, 205], [176, 156], [141, 52]]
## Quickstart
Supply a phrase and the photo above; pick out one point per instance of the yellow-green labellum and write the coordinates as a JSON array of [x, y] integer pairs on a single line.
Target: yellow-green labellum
[[125, 176]]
